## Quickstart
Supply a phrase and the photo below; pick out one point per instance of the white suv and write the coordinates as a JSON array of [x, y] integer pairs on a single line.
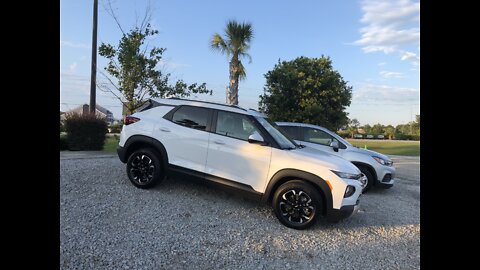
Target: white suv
[[240, 149], [378, 168]]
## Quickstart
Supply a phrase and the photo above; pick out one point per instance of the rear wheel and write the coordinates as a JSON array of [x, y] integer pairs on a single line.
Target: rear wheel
[[144, 168], [297, 204]]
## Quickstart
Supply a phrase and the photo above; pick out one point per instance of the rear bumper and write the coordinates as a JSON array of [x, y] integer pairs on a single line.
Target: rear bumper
[[122, 154]]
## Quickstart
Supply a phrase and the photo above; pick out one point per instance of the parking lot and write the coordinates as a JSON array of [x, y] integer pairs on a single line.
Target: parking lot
[[107, 223]]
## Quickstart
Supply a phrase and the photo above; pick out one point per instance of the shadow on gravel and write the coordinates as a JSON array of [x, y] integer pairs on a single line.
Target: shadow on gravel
[[379, 207]]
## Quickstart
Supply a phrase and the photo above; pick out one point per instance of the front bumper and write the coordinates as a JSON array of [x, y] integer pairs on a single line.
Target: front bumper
[[386, 176], [345, 211], [122, 154]]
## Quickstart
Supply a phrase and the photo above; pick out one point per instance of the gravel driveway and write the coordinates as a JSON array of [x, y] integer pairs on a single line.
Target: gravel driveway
[[107, 223]]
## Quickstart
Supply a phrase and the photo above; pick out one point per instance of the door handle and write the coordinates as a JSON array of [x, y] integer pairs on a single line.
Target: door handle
[[218, 141], [164, 129]]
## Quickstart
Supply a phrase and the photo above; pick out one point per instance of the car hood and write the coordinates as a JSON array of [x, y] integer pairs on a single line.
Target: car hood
[[319, 157], [370, 153]]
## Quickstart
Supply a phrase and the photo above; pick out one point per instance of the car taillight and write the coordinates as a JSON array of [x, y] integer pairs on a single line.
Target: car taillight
[[130, 120]]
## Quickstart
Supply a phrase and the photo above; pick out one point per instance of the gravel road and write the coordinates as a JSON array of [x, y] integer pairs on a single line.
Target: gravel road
[[107, 223]]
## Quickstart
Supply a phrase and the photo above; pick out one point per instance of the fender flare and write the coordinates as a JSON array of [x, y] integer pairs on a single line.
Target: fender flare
[[284, 175], [144, 140], [368, 166]]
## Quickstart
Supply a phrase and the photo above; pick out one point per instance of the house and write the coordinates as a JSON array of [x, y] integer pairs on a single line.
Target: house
[[85, 109]]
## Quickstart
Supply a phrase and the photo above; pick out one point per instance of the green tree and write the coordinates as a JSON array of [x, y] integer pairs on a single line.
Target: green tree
[[353, 127], [132, 71], [306, 90], [234, 44], [378, 129], [390, 132], [367, 128]]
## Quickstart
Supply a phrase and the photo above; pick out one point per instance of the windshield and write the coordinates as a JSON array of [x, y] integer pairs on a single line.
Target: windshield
[[282, 138]]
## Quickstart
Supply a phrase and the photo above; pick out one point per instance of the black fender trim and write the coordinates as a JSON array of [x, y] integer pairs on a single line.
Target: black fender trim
[[368, 166], [125, 151], [284, 175]]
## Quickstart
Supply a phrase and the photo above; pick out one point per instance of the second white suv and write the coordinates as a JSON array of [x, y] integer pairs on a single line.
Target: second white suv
[[238, 149], [378, 168]]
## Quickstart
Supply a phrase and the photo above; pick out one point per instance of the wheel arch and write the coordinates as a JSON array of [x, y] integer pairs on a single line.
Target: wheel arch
[[286, 175], [139, 141], [369, 168]]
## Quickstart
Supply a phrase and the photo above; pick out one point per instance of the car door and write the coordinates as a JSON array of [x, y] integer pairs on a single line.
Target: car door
[[318, 139], [185, 137], [232, 157]]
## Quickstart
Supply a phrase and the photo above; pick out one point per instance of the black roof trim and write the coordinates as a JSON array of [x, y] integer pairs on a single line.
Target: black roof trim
[[208, 102]]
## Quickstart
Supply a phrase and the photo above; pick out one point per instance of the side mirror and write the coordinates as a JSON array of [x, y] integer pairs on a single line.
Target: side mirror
[[256, 138], [334, 145]]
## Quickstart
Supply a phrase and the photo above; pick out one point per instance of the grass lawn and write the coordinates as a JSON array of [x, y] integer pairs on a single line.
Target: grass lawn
[[401, 148], [111, 144]]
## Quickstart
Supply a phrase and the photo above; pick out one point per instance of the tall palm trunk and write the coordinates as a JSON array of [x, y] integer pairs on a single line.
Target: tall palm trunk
[[234, 74]]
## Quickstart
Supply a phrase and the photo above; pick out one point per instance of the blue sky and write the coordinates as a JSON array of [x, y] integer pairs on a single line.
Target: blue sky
[[374, 44]]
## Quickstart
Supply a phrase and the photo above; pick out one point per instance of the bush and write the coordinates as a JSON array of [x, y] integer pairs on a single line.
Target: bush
[[85, 132], [115, 128], [401, 136], [63, 143]]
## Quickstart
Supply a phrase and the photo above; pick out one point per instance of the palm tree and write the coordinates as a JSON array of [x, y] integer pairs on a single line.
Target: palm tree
[[235, 44]]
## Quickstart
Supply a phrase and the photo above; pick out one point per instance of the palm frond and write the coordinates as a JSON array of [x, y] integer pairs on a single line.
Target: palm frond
[[242, 75], [218, 43]]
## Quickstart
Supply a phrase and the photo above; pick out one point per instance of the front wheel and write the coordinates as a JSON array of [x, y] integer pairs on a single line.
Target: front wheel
[[370, 179], [297, 204], [144, 168]]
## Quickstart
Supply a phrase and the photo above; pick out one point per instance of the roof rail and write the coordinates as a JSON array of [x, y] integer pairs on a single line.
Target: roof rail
[[208, 102]]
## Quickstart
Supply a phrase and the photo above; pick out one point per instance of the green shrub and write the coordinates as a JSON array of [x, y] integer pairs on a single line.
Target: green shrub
[[401, 136], [115, 128], [85, 132], [63, 143]]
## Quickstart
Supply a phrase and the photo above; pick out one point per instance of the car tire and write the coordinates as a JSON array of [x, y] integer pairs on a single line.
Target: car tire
[[144, 168], [297, 204], [370, 178]]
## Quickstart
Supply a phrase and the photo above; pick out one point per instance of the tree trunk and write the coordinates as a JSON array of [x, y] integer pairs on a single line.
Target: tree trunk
[[233, 93]]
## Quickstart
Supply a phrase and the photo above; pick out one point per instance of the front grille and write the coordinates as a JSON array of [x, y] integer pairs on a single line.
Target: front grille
[[387, 177]]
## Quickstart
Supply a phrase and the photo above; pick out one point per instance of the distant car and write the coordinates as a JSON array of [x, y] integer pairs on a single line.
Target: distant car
[[357, 136], [380, 137], [377, 167], [369, 136]]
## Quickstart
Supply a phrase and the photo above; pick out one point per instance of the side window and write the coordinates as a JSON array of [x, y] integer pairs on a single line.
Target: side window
[[293, 132], [317, 136], [234, 125], [192, 117]]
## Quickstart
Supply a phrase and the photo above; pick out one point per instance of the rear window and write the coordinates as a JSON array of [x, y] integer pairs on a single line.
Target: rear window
[[192, 117]]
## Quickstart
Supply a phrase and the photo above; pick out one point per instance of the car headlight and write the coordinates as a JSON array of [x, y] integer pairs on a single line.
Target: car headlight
[[383, 161], [348, 175]]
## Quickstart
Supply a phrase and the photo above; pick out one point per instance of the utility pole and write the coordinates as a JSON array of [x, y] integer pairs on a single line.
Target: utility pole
[[93, 77]]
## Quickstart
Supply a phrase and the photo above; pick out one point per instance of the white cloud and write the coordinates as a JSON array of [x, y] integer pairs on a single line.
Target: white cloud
[[390, 26], [385, 93], [73, 45], [381, 64], [412, 57], [391, 74], [72, 68]]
